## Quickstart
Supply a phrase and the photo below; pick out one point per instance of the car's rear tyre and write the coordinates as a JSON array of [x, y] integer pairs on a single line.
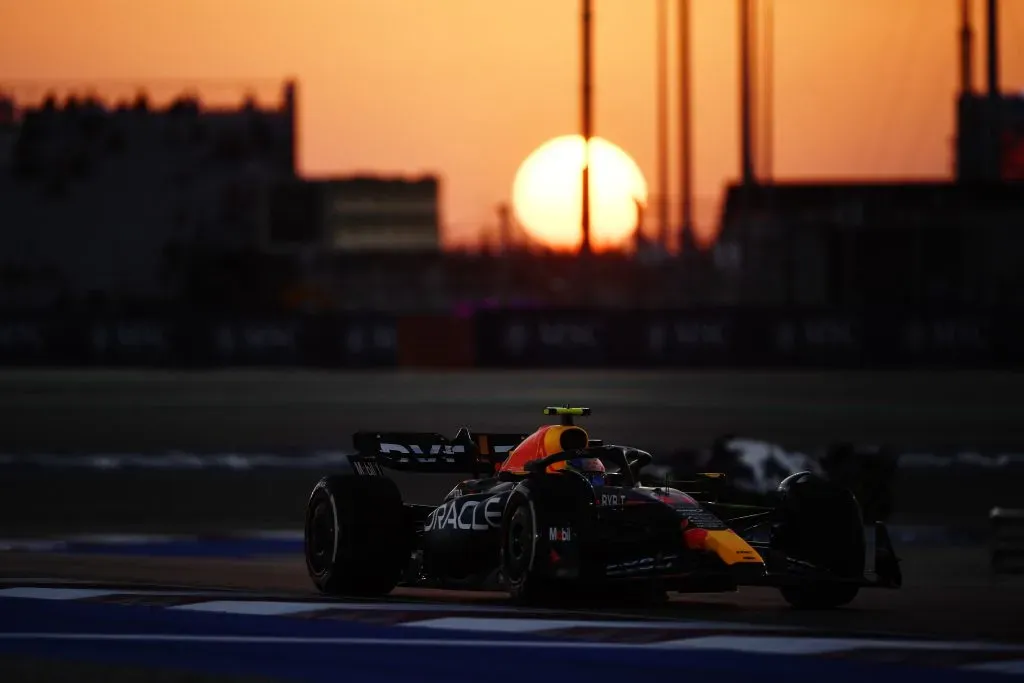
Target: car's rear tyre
[[355, 535], [820, 523], [523, 580]]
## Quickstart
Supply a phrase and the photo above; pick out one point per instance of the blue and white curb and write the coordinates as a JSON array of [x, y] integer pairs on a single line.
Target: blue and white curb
[[236, 544], [447, 625]]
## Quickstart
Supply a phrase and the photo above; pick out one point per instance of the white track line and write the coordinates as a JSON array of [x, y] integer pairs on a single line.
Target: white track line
[[48, 593], [20, 581], [813, 646], [271, 534], [513, 625], [254, 608], [31, 545], [291, 607], [128, 539], [286, 640], [1015, 666], [55, 593]]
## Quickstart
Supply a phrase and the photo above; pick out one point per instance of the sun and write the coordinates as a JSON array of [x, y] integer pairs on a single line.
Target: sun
[[548, 188]]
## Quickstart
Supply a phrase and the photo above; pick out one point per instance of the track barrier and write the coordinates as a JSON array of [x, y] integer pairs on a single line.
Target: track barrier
[[1007, 527], [721, 337]]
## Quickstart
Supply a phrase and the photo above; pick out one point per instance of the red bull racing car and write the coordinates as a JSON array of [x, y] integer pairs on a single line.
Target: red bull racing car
[[555, 511]]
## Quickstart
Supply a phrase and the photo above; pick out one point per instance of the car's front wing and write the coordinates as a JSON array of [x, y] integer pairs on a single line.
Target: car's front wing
[[882, 568]]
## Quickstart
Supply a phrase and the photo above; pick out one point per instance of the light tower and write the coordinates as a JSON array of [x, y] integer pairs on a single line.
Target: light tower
[[686, 239], [662, 121], [766, 97], [586, 115], [746, 21]]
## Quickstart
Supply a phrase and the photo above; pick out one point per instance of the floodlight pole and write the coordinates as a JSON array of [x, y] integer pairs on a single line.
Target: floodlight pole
[[992, 52], [587, 97], [966, 48], [685, 128], [767, 107], [747, 170], [662, 121], [995, 122]]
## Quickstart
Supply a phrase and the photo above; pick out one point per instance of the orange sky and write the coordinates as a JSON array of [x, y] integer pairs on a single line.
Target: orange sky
[[468, 88]]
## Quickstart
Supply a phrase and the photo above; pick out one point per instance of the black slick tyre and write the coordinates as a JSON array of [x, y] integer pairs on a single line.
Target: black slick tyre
[[355, 535], [518, 554], [821, 524]]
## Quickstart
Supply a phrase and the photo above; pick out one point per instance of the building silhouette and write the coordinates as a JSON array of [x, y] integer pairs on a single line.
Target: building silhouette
[[908, 243], [150, 204], [92, 195]]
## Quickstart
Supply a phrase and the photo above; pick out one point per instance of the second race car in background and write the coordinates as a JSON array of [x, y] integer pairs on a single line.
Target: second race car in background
[[754, 468]]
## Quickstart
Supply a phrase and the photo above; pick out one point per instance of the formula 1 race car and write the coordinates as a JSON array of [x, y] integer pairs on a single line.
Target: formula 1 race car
[[555, 511]]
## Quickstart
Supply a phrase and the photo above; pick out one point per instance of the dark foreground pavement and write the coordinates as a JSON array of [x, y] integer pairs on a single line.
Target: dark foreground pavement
[[24, 669]]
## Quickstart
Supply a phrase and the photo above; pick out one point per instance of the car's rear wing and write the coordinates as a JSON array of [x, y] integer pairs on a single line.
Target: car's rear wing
[[474, 454]]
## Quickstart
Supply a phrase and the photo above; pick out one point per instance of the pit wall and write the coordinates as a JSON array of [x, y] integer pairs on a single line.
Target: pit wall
[[704, 338]]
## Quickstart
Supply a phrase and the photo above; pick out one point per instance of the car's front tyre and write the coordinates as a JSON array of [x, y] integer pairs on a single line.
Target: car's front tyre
[[820, 524]]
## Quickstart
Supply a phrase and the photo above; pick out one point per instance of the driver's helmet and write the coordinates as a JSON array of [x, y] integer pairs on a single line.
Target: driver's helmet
[[591, 469]]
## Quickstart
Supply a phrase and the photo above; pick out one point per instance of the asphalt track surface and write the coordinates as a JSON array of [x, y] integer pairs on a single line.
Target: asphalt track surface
[[268, 410], [948, 591], [67, 411]]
